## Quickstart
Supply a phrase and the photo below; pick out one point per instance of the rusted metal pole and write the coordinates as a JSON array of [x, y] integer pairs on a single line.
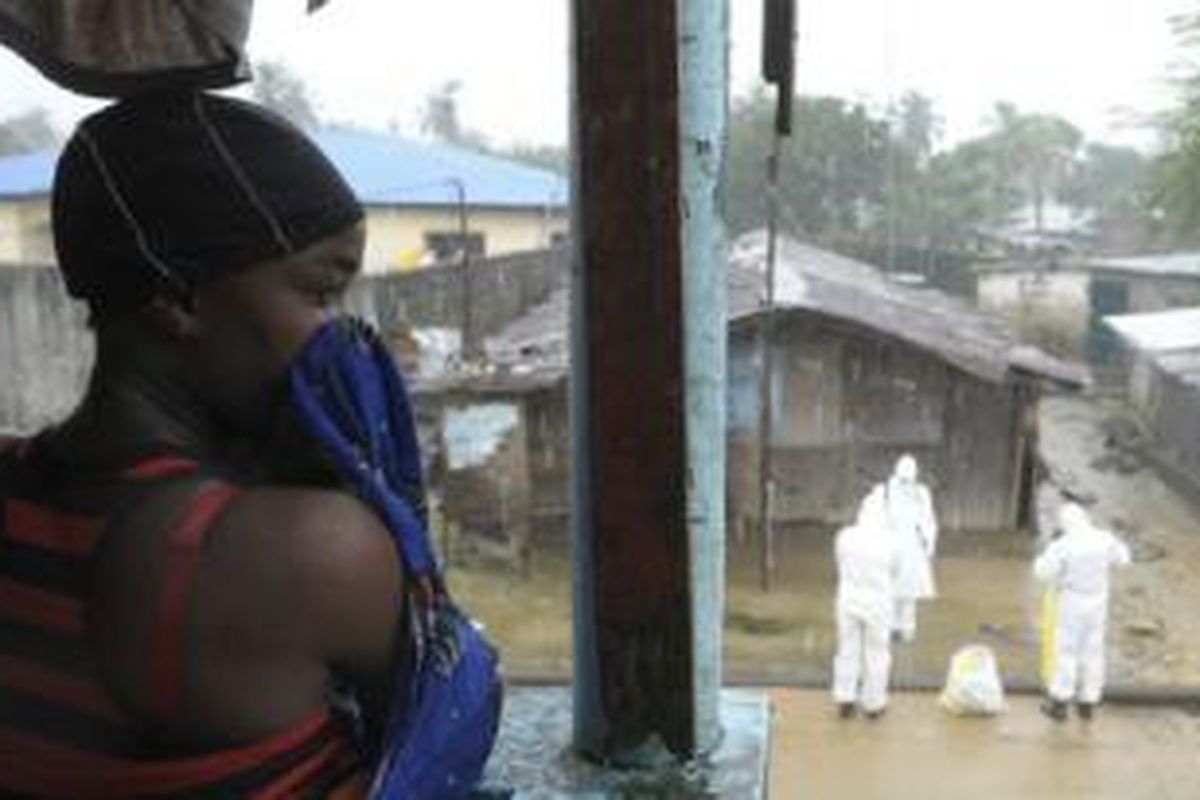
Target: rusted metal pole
[[766, 381], [778, 68], [464, 264]]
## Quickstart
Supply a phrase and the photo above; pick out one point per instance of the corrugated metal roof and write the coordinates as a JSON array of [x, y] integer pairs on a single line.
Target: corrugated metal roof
[[537, 340], [389, 170], [1185, 264], [1036, 267], [1159, 331], [815, 280], [498, 383], [1171, 339], [28, 175], [382, 169], [811, 279]]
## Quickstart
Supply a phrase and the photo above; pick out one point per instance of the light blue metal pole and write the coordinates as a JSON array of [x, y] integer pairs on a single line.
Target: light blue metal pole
[[704, 58]]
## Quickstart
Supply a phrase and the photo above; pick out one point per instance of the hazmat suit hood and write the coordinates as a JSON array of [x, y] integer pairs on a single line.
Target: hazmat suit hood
[[906, 469], [1073, 520], [872, 514]]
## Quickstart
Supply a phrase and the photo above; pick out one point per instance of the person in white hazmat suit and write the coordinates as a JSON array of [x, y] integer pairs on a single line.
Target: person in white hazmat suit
[[866, 568], [914, 526], [1077, 565]]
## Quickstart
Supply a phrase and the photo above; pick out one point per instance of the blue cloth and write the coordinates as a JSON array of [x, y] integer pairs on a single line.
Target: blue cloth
[[444, 716]]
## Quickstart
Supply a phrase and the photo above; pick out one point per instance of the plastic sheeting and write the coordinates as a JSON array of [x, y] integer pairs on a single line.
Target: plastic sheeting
[[114, 48]]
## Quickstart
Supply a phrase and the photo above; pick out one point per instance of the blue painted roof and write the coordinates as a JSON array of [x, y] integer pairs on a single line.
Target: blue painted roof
[[28, 175], [382, 169], [389, 170]]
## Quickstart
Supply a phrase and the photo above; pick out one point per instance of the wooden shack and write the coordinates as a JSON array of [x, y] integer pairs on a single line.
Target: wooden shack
[[866, 369]]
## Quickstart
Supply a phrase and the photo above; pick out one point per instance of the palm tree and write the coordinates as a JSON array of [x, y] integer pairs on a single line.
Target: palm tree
[[1036, 150]]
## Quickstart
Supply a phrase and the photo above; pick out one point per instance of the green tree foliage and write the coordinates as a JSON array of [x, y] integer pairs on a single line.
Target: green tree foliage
[[547, 156], [831, 173], [441, 120], [439, 117], [1176, 173], [280, 89], [968, 188], [27, 133], [909, 194], [849, 176], [1115, 184], [1040, 150]]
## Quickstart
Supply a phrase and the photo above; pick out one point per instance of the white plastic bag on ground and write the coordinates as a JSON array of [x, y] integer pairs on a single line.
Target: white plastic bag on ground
[[973, 686]]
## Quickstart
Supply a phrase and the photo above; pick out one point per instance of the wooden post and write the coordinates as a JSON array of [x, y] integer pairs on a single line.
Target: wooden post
[[648, 515]]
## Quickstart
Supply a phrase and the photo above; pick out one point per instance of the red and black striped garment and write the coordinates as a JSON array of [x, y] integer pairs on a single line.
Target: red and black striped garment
[[61, 732]]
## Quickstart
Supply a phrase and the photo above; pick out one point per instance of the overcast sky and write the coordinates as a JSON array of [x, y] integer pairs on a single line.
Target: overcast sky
[[1103, 64]]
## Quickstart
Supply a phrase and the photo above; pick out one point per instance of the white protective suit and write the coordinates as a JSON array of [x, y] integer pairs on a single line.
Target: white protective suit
[[914, 525], [1077, 564], [866, 568]]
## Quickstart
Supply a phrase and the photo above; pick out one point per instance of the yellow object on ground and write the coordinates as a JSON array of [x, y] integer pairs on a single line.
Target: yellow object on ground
[[1048, 630]]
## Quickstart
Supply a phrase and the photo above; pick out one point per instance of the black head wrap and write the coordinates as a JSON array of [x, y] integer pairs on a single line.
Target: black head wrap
[[163, 193]]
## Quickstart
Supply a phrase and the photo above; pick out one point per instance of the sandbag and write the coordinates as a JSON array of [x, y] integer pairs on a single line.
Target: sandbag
[[973, 686]]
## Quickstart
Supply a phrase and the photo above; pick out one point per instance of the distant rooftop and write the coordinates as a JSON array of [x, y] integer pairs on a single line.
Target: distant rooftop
[[27, 175], [1185, 263], [1057, 219], [383, 170], [1062, 230], [822, 282], [1159, 331], [1171, 339], [389, 170], [810, 279], [1181, 264]]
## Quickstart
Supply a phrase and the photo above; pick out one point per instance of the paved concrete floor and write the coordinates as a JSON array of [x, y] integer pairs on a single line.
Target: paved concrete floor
[[918, 751]]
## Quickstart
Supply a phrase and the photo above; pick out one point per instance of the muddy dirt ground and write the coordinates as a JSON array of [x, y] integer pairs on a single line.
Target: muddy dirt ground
[[1154, 629], [916, 751], [986, 592], [987, 595]]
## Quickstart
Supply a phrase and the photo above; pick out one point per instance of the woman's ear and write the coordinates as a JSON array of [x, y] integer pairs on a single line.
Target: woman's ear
[[175, 319]]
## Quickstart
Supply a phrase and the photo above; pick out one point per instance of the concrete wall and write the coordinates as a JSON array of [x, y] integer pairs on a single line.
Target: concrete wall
[[1172, 412], [25, 232], [501, 289], [395, 236], [45, 348], [485, 464], [1160, 292], [10, 233], [1143, 385], [1050, 308], [1054, 308]]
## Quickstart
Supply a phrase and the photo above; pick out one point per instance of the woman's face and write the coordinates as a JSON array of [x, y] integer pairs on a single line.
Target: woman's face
[[251, 325]]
